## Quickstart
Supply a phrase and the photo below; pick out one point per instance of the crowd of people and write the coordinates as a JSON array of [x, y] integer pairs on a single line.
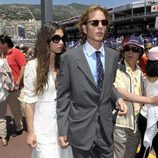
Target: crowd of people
[[87, 101]]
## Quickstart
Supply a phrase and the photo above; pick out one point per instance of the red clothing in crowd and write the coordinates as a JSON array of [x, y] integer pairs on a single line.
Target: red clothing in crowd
[[16, 60], [142, 63]]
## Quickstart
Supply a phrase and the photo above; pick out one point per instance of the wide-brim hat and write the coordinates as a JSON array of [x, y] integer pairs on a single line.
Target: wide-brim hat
[[135, 41]]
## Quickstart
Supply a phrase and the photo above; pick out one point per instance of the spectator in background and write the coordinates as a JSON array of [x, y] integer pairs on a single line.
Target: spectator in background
[[29, 54], [6, 84], [16, 61], [147, 47], [143, 60]]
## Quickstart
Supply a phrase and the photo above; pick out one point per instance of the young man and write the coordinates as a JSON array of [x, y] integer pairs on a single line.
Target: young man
[[85, 90]]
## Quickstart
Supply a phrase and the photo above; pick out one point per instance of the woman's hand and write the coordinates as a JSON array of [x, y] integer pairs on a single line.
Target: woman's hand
[[122, 107], [31, 140]]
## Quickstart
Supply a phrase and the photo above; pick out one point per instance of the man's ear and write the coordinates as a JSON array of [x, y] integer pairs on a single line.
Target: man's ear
[[84, 27]]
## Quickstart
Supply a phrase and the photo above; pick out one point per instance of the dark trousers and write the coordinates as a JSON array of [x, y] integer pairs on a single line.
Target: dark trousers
[[101, 148], [142, 123]]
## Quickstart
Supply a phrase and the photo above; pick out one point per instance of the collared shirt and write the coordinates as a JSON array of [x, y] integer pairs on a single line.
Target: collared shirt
[[90, 55], [132, 82], [16, 60], [135, 86]]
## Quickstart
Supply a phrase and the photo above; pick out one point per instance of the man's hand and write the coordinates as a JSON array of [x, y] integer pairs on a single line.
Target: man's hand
[[122, 106], [63, 141]]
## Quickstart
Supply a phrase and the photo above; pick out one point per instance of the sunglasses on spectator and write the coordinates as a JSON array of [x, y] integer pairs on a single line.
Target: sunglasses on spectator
[[95, 23], [134, 49], [57, 38]]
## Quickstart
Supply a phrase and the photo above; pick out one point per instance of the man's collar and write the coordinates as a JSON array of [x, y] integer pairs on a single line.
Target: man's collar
[[90, 50]]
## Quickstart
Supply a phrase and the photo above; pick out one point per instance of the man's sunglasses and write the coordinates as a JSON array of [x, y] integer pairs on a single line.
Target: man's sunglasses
[[95, 23], [57, 38], [134, 49]]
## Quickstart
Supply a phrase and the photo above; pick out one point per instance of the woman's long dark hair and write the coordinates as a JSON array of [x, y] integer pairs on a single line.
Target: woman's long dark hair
[[42, 53]]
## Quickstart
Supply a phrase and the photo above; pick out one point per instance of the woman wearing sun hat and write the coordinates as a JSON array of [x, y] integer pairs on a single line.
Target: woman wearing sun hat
[[129, 83]]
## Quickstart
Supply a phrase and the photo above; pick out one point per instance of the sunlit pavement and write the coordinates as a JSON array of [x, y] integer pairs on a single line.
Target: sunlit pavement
[[17, 147]]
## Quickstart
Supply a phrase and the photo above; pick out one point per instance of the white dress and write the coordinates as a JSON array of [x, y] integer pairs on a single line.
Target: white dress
[[152, 114], [45, 122]]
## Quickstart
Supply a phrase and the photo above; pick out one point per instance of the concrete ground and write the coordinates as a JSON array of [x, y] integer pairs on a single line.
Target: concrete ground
[[17, 147]]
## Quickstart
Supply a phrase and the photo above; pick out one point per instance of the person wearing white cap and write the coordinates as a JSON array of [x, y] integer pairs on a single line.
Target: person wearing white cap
[[148, 118], [129, 83]]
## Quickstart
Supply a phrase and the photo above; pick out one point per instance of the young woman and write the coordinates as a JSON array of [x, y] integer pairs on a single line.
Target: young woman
[[40, 81], [148, 118]]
